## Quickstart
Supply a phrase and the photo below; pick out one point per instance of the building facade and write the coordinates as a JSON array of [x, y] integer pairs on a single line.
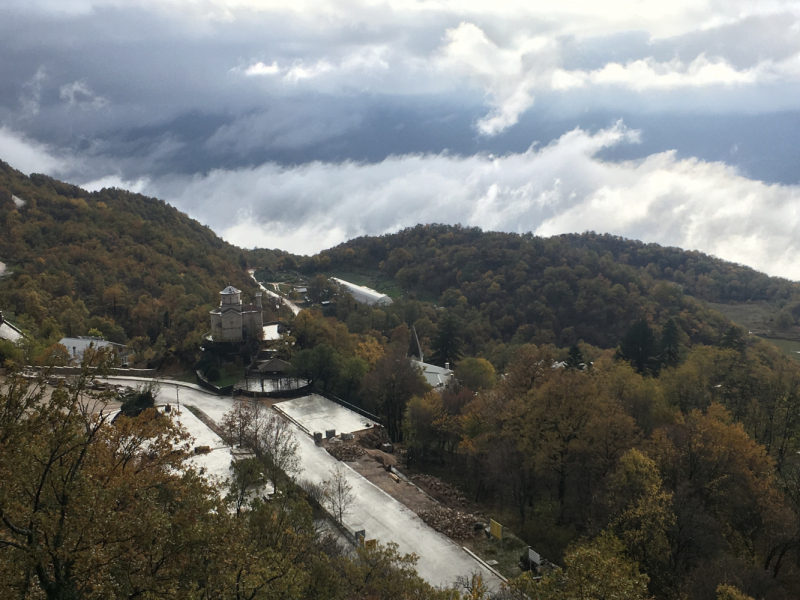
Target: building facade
[[233, 321]]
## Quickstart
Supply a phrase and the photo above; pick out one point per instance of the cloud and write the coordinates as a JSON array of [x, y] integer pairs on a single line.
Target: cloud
[[79, 94], [366, 59], [31, 93], [27, 155], [563, 187], [508, 75], [115, 181], [512, 75]]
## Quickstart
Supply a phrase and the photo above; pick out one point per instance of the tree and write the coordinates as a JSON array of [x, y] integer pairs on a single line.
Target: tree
[[642, 514], [267, 434], [272, 440], [94, 510], [728, 592], [426, 424], [575, 358], [319, 364], [384, 574], [476, 373], [237, 422], [671, 345], [389, 387], [338, 493], [638, 347], [138, 399], [733, 339], [448, 343], [595, 570], [247, 474], [352, 373]]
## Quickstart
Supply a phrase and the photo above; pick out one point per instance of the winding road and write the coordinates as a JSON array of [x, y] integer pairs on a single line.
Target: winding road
[[292, 306]]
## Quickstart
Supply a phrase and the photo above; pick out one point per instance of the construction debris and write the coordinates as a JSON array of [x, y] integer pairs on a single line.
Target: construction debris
[[345, 452], [453, 523], [374, 438], [438, 488]]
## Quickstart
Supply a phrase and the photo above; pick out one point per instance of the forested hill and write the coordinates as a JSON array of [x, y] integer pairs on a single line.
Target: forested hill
[[523, 288], [701, 275], [133, 268]]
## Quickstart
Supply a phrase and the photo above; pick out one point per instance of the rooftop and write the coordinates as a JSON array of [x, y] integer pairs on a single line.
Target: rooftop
[[77, 345], [230, 290], [364, 294], [435, 376]]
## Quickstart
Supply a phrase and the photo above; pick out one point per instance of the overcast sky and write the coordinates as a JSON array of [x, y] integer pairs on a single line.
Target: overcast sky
[[300, 124]]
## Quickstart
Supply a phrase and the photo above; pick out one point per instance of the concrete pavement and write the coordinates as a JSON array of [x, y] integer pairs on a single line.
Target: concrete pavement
[[441, 560]]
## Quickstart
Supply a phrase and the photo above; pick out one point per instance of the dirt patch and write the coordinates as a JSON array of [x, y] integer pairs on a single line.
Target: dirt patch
[[443, 492], [402, 491], [373, 438]]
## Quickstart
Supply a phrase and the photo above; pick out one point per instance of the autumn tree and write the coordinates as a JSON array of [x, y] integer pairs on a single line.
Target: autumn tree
[[90, 509], [594, 570], [389, 387], [642, 516], [476, 373]]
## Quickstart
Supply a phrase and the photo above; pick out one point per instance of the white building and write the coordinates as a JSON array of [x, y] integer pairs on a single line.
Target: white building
[[233, 321], [78, 345], [362, 294], [8, 331]]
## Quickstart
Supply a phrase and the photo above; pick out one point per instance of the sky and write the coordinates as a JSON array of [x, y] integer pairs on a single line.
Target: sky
[[301, 124]]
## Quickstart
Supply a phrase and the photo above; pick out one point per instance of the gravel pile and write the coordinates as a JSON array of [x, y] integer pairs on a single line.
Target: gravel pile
[[345, 452], [444, 491], [453, 523]]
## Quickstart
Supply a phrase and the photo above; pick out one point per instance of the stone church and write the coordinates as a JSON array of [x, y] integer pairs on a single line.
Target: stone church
[[234, 321]]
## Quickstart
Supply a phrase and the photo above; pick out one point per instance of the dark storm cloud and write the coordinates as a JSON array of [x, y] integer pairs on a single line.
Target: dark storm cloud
[[303, 123]]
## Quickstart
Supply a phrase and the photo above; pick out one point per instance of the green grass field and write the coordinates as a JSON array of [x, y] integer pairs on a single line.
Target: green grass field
[[758, 317], [789, 347], [371, 279]]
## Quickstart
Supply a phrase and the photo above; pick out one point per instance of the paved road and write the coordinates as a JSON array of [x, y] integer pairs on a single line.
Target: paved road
[[292, 306], [382, 517]]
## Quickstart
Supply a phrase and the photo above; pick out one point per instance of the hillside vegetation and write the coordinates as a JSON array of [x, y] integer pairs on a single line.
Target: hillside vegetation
[[600, 408], [133, 268]]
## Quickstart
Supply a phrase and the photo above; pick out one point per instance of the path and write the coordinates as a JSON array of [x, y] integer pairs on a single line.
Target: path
[[441, 560], [292, 306], [2, 269]]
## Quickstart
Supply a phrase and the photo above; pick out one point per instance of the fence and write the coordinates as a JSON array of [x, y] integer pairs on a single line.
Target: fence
[[349, 406], [78, 370], [222, 391]]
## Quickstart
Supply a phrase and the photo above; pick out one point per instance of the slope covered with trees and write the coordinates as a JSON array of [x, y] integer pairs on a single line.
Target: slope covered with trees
[[507, 288], [133, 268]]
